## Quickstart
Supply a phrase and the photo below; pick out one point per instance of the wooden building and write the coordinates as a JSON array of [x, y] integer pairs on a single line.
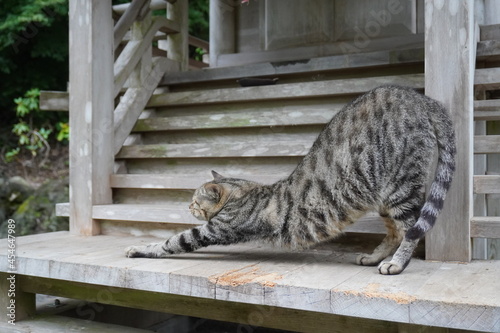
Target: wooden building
[[146, 129]]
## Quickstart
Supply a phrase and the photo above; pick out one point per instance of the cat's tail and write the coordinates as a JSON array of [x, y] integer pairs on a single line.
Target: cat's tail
[[445, 137]]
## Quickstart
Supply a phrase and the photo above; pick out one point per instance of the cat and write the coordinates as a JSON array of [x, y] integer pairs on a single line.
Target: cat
[[374, 154]]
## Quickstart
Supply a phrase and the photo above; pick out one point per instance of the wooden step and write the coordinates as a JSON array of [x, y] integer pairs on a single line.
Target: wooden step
[[487, 78], [488, 110], [486, 144], [206, 150], [489, 32], [284, 68], [485, 227], [179, 214], [489, 184], [285, 91], [268, 116], [178, 182], [488, 50]]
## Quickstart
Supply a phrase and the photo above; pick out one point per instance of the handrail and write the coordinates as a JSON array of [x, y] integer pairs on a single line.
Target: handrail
[[127, 19]]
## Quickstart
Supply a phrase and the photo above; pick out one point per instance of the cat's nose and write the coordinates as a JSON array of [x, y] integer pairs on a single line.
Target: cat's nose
[[191, 206]]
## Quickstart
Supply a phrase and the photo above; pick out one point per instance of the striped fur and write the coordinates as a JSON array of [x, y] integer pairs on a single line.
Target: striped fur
[[374, 154]]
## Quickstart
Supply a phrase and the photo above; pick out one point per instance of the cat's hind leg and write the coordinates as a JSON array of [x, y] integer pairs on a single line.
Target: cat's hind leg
[[395, 233], [405, 215]]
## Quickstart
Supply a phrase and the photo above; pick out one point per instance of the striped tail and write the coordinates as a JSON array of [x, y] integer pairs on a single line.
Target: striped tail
[[445, 136]]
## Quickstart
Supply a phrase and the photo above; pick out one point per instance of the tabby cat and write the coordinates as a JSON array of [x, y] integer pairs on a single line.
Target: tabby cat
[[374, 154]]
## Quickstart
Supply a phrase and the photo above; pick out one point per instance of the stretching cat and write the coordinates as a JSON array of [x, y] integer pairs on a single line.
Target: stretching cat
[[374, 154]]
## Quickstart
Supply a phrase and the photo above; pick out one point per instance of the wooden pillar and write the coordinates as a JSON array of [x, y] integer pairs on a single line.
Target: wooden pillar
[[91, 110], [177, 44], [222, 29], [449, 78], [15, 303]]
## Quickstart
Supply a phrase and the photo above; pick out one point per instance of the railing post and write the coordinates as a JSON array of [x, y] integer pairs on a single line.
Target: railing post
[[449, 78], [177, 44], [91, 110], [222, 29]]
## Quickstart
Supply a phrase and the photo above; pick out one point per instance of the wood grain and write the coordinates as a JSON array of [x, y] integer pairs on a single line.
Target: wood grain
[[449, 78]]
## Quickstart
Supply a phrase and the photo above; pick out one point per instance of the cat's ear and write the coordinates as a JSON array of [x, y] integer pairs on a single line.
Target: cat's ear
[[214, 191], [217, 176]]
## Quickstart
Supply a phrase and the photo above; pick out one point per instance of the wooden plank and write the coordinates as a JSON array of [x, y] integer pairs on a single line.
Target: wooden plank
[[133, 102], [54, 101], [487, 78], [238, 120], [317, 282], [486, 144], [487, 184], [281, 91], [445, 24], [201, 150], [126, 20], [485, 226], [313, 65], [91, 117], [165, 181]]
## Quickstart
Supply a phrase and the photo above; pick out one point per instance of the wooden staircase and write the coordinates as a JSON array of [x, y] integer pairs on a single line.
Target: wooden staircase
[[487, 143]]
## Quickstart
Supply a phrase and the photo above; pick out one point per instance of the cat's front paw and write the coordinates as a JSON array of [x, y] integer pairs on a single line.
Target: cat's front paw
[[390, 268], [135, 251]]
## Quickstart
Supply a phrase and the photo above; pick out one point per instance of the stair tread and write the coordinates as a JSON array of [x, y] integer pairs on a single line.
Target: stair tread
[[485, 226], [489, 184], [486, 144], [285, 91], [205, 150], [170, 181], [336, 62], [487, 77]]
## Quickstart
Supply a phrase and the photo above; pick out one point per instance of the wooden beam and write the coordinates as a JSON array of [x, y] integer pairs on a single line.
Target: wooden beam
[[133, 102], [247, 315], [487, 78], [126, 20], [91, 116], [449, 75]]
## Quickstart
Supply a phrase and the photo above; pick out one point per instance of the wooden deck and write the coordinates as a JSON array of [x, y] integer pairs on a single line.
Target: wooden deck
[[320, 281]]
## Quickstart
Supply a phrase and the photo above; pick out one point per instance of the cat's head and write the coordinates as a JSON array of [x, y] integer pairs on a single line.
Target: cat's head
[[211, 197]]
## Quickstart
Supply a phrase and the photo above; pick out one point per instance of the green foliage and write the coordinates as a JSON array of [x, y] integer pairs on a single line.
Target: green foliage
[[33, 53], [30, 137]]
